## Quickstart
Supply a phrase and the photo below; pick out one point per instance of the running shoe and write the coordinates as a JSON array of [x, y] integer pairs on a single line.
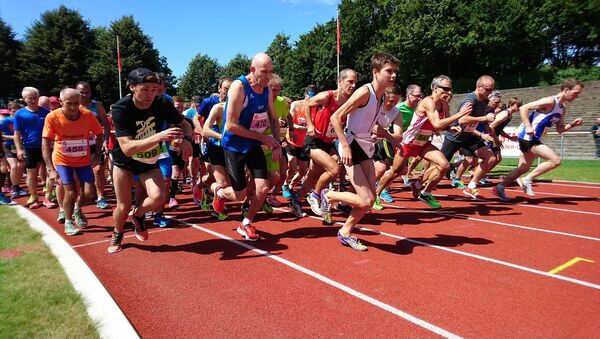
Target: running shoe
[[415, 187], [61, 216], [138, 227], [458, 184], [173, 204], [326, 207], [272, 200], [161, 221], [429, 199], [473, 193], [219, 216], [188, 181], [4, 200], [528, 187], [205, 204], [70, 228], [313, 200], [102, 204], [22, 192], [352, 242], [296, 206], [267, 208], [49, 203], [218, 203], [53, 195], [115, 242], [406, 180], [286, 192], [197, 195], [245, 208], [248, 232], [80, 219], [33, 204], [346, 209], [377, 204], [386, 196], [484, 181], [498, 191]]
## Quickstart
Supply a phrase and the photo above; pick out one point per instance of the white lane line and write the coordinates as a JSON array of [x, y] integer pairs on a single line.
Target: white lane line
[[125, 237], [547, 193], [496, 222], [570, 185], [328, 281], [476, 256], [523, 205], [101, 307]]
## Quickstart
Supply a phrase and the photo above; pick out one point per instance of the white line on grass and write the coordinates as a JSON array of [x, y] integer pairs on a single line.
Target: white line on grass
[[101, 307], [349, 290]]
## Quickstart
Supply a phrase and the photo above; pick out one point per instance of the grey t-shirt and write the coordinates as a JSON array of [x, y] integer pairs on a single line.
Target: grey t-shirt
[[479, 109]]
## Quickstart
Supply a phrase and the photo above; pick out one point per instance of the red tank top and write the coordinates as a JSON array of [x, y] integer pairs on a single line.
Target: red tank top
[[321, 117], [300, 134]]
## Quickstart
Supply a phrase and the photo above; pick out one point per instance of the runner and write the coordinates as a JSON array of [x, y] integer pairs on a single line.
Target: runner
[[66, 151], [138, 119], [99, 112], [537, 117], [4, 200], [356, 147], [318, 143], [502, 119], [430, 116], [29, 122], [16, 165], [414, 95], [247, 113], [464, 138]]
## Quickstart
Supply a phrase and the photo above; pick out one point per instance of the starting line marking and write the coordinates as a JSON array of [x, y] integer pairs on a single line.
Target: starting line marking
[[568, 263], [333, 283]]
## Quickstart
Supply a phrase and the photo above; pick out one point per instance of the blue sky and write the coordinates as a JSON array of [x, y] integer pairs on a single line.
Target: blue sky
[[182, 29]]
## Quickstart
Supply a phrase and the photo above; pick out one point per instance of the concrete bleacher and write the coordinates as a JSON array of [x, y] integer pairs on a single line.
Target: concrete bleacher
[[587, 106]]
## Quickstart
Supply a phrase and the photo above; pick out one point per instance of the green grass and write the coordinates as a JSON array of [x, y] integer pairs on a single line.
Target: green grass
[[36, 297], [574, 170]]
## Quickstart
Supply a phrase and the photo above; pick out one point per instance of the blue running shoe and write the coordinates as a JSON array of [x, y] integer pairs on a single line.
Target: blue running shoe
[[4, 200], [386, 196], [285, 191], [161, 221]]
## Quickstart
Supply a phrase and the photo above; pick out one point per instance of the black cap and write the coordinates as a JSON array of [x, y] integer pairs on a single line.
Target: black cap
[[137, 75]]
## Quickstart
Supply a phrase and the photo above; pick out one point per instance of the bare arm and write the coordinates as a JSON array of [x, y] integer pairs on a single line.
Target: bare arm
[[562, 128], [316, 101], [358, 99], [129, 146], [103, 118], [433, 115], [47, 154], [216, 113]]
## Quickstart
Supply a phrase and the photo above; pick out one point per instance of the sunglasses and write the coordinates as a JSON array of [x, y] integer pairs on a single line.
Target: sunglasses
[[416, 96], [487, 89], [445, 89]]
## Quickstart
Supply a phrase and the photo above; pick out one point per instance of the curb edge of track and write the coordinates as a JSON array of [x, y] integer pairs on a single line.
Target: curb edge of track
[[110, 320]]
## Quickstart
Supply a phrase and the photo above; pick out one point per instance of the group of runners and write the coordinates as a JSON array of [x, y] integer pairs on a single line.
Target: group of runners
[[248, 144]]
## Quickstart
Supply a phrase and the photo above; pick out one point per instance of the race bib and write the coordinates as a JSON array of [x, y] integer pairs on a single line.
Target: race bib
[[330, 133], [259, 122], [301, 121], [164, 151], [74, 148], [422, 137], [150, 156]]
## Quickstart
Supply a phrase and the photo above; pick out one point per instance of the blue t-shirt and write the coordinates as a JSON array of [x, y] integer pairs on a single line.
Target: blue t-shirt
[[31, 124], [206, 105], [253, 116], [6, 126], [189, 113]]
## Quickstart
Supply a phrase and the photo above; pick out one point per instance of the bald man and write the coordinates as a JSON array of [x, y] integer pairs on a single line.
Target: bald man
[[248, 112]]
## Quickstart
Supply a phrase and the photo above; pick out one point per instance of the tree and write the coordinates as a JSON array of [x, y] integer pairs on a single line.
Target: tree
[[56, 51], [136, 50], [239, 65], [201, 78], [170, 79], [9, 48], [278, 50]]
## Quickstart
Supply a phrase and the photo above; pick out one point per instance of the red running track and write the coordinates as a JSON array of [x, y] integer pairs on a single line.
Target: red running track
[[472, 269]]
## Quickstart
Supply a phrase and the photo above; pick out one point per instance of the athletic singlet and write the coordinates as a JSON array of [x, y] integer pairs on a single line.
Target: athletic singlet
[[498, 129], [540, 121], [254, 116], [217, 127], [299, 120], [420, 131], [321, 117], [361, 122]]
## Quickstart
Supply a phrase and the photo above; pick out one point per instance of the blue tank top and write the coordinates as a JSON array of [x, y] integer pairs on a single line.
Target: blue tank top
[[254, 116], [540, 121]]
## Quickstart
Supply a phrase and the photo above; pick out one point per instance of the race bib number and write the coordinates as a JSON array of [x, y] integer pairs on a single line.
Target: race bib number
[[164, 150], [330, 133], [470, 127], [149, 156], [259, 122], [74, 148], [301, 121], [422, 137]]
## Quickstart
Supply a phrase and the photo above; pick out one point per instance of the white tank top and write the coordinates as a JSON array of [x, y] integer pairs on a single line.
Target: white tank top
[[360, 123]]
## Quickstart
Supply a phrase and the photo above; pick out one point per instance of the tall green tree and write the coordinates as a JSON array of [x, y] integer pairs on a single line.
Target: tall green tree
[[56, 51], [240, 64], [170, 79], [137, 50], [201, 77], [9, 48], [278, 50]]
